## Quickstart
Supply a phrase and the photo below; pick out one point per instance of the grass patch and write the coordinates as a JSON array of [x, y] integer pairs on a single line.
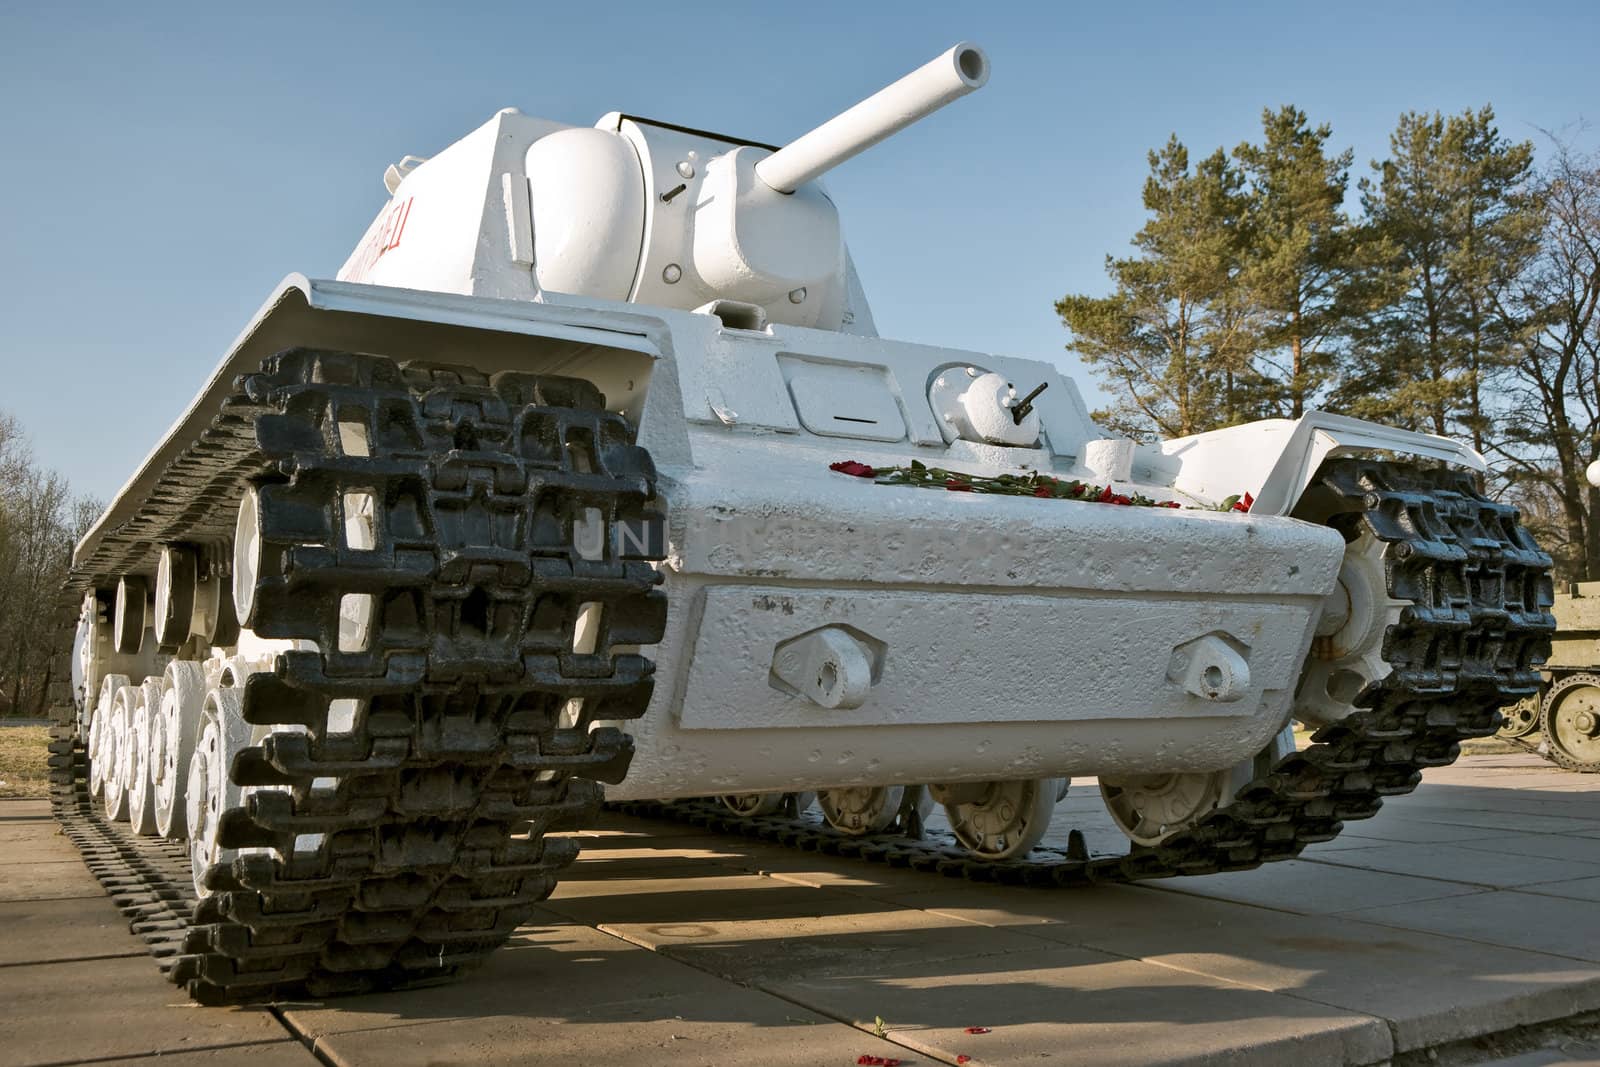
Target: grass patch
[[23, 770]]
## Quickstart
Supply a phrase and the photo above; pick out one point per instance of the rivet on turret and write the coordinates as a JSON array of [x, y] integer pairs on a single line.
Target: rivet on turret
[[671, 273], [797, 296], [685, 169]]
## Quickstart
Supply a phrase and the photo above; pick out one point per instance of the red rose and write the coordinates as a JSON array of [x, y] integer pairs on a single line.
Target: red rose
[[955, 485], [977, 1030], [854, 469], [1244, 502], [1169, 504], [963, 1058], [1044, 491]]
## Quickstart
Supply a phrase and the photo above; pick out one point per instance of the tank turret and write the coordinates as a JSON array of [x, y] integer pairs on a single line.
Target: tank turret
[[643, 211]]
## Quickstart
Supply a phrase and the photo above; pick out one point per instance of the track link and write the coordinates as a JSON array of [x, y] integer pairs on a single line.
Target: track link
[[395, 796], [1477, 629]]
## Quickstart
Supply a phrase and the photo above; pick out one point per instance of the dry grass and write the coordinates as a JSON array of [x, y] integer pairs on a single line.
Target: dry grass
[[22, 761]]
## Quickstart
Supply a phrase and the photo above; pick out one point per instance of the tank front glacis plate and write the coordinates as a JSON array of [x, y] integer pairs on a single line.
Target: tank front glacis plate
[[1013, 637]]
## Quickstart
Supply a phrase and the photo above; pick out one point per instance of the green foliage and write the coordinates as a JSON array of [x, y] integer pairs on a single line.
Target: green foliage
[[1450, 225], [1173, 337], [1464, 301], [1300, 258]]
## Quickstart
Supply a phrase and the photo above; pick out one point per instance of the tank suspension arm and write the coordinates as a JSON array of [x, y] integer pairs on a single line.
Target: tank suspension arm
[[891, 109]]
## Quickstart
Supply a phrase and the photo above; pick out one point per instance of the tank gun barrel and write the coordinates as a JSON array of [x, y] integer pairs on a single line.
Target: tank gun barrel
[[953, 74]]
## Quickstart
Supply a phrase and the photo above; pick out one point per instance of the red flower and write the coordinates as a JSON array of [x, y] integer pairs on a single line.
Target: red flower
[[977, 1030], [963, 1059], [1106, 496], [1045, 491], [1169, 504], [1244, 502], [877, 1061], [956, 485], [854, 469]]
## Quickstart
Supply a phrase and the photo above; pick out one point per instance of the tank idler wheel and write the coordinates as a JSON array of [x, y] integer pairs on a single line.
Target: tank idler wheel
[[100, 753], [128, 616], [753, 805], [1150, 808], [114, 751], [1000, 820], [1347, 651], [1520, 719], [862, 809], [174, 726], [141, 796], [1571, 722], [177, 577]]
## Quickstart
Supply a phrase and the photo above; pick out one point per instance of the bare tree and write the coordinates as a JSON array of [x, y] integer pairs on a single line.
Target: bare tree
[[38, 521], [1551, 422]]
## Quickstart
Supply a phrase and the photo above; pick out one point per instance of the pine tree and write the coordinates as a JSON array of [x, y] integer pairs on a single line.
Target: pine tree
[[1301, 255], [1450, 224], [1172, 340]]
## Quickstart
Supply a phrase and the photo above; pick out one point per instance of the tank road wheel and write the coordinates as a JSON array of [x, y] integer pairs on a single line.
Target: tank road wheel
[[141, 796], [1000, 820], [174, 727], [1571, 722], [860, 810], [114, 746], [1520, 719], [1150, 808], [753, 805], [1347, 651], [209, 791], [100, 754]]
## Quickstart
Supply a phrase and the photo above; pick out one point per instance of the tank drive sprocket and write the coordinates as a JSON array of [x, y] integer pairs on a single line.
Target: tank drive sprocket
[[1473, 631], [382, 808]]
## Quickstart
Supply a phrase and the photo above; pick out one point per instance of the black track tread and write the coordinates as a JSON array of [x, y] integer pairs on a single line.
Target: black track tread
[[434, 847], [1473, 639]]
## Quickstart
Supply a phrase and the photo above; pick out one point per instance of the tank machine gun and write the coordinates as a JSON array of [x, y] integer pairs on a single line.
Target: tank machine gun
[[537, 496]]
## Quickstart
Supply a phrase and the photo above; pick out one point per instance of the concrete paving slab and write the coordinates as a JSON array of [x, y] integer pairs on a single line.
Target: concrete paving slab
[[1549, 846], [13, 809], [53, 880], [285, 1053], [1458, 863], [565, 993], [42, 846], [78, 928], [720, 898], [99, 1009], [766, 950], [1499, 817], [1363, 833], [1316, 887], [1430, 988], [1087, 1007], [1578, 889], [1557, 925]]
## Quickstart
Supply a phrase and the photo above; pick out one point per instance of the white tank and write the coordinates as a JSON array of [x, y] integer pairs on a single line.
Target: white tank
[[590, 468]]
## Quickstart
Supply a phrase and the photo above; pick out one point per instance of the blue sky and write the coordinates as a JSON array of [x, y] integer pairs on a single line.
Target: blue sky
[[163, 166]]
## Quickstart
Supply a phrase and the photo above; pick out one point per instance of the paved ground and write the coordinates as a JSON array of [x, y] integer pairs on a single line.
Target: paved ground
[[1464, 910]]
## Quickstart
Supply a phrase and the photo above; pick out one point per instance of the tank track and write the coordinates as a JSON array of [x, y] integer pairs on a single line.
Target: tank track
[[1477, 629], [476, 733]]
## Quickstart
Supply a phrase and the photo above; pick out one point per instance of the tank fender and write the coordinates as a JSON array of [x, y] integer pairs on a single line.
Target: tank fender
[[1275, 459]]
